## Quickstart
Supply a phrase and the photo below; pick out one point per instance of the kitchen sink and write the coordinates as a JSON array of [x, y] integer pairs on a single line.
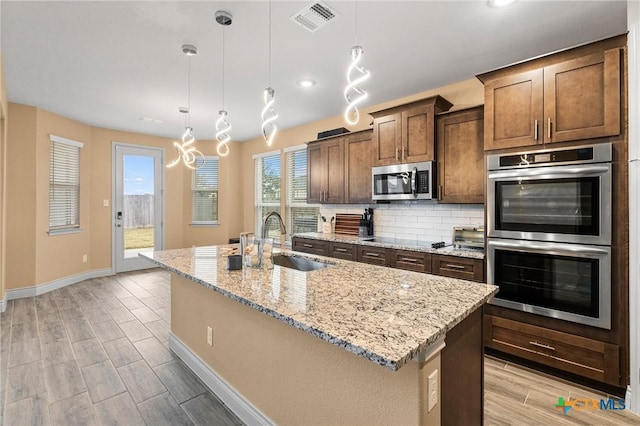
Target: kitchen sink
[[299, 263]]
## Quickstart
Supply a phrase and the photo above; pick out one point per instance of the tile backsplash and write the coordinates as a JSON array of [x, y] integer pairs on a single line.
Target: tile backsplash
[[424, 220]]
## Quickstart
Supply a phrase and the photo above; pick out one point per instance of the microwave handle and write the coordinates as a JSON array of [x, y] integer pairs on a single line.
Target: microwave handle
[[414, 185], [520, 173]]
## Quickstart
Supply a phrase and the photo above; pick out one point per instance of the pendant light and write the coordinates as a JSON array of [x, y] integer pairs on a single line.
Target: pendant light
[[268, 114], [223, 127], [186, 151], [353, 93]]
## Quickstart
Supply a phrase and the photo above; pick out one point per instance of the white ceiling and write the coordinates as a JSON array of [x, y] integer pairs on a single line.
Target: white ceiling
[[108, 63]]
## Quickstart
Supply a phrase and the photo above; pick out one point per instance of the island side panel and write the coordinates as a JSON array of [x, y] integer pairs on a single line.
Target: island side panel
[[294, 377]]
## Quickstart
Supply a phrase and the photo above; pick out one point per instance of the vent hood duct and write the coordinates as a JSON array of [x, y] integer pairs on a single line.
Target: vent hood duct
[[314, 16]]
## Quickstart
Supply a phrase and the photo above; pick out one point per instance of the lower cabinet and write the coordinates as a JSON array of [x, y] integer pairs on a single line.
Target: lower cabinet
[[309, 245], [585, 357], [343, 251], [411, 260], [458, 267], [373, 255]]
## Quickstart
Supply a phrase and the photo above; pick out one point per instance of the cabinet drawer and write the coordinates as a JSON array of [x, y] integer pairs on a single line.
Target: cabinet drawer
[[310, 246], [343, 251], [589, 358], [373, 255], [411, 260], [458, 267]]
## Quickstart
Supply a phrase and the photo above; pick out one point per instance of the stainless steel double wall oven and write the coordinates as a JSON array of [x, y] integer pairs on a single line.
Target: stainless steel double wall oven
[[549, 232]]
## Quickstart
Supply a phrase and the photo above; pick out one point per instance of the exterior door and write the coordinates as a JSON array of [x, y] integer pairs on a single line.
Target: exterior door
[[138, 200]]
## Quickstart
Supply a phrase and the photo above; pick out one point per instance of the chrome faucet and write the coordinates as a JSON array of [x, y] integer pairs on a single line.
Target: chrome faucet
[[283, 230]]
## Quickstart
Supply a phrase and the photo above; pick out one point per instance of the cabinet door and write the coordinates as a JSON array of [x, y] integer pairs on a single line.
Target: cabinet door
[[387, 139], [315, 174], [418, 134], [411, 260], [513, 110], [308, 245], [373, 255], [343, 251], [461, 157], [358, 150], [458, 267], [582, 97], [334, 169]]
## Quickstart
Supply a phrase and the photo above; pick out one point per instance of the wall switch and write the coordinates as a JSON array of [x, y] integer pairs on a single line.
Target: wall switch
[[105, 203], [84, 258], [209, 336], [432, 390]]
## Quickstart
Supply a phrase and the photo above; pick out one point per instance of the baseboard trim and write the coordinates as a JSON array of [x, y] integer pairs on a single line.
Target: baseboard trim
[[19, 293], [237, 403]]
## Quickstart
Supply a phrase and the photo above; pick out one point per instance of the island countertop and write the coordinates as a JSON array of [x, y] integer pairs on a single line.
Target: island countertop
[[385, 315]]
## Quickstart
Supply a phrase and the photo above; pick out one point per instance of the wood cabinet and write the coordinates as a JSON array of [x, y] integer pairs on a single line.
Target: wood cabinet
[[343, 251], [406, 133], [458, 267], [358, 160], [565, 100], [339, 169], [373, 255], [460, 148], [309, 245], [325, 171], [411, 260], [586, 357]]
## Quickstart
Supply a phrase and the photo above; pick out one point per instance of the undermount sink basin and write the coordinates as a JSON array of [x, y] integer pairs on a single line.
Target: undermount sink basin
[[299, 263]]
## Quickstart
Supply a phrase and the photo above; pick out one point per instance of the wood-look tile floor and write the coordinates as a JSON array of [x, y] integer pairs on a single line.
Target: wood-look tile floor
[[95, 353]]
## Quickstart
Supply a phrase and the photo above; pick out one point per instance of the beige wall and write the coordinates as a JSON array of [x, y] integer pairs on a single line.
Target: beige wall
[[465, 94], [4, 109], [295, 378]]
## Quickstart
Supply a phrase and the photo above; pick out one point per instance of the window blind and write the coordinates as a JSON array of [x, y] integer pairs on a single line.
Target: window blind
[[64, 184], [301, 217], [268, 175], [204, 191]]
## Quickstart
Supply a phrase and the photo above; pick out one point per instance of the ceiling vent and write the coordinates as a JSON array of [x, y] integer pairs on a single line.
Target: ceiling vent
[[314, 16]]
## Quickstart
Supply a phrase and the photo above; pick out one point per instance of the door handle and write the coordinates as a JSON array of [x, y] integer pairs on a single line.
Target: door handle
[[119, 215]]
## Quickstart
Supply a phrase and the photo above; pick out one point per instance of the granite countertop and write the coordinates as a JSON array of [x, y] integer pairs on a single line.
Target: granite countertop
[[397, 244], [382, 314]]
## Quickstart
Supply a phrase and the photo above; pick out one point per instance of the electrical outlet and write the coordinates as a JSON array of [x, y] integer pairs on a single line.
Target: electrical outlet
[[432, 390], [84, 258], [209, 336]]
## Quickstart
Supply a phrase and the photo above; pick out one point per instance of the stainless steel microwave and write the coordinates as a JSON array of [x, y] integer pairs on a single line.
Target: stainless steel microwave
[[411, 181]]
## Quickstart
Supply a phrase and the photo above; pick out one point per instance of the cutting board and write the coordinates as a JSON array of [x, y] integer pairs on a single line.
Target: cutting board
[[347, 223]]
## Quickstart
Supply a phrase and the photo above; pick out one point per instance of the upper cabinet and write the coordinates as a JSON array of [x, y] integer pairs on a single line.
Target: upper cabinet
[[569, 96], [406, 133], [339, 169], [459, 145]]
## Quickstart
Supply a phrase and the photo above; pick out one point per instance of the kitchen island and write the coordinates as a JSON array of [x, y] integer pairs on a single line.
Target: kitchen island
[[346, 344]]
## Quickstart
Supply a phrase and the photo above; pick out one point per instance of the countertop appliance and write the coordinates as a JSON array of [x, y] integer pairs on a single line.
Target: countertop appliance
[[549, 232], [411, 181], [468, 237]]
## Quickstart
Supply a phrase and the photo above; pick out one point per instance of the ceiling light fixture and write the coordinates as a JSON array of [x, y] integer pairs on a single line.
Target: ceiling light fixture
[[268, 114], [499, 3], [306, 83], [223, 127], [353, 93], [186, 151]]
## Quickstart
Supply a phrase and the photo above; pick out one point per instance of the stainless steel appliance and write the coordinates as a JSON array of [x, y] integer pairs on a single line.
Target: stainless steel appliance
[[549, 232], [411, 181], [468, 237]]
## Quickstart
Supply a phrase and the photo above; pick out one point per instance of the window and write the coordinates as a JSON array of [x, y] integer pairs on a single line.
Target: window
[[64, 185], [301, 217], [204, 192], [268, 191]]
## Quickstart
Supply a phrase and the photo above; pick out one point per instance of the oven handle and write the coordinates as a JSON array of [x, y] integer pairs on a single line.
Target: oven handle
[[533, 246], [520, 173]]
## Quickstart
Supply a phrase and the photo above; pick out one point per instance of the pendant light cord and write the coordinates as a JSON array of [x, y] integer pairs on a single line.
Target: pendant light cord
[[356, 21], [223, 67], [269, 43], [189, 91]]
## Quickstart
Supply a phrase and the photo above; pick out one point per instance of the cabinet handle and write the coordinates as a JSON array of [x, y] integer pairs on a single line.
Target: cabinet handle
[[341, 250], [372, 254], [549, 128], [540, 345], [535, 129], [308, 245], [407, 259], [439, 192], [396, 153], [404, 152], [455, 266]]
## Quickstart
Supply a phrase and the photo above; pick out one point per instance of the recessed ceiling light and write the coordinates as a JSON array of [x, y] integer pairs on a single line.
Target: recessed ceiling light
[[150, 120], [306, 82], [499, 3]]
